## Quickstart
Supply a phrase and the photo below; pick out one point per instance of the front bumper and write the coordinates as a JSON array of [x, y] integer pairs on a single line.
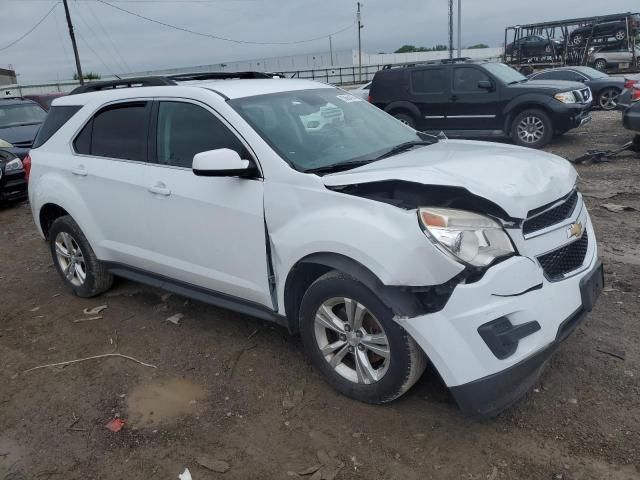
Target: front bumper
[[566, 117], [631, 118], [483, 380], [13, 187]]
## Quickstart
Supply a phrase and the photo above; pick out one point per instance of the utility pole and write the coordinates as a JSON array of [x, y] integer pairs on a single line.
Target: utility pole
[[73, 42], [331, 50], [450, 29], [360, 27], [459, 28]]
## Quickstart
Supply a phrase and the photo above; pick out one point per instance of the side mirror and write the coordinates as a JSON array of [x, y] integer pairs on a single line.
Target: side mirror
[[222, 162], [485, 85]]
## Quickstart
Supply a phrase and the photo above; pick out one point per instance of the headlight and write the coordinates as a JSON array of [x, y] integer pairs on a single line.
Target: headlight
[[13, 165], [472, 238], [565, 97]]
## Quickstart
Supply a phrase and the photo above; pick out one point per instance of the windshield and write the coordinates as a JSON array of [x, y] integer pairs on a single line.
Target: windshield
[[21, 114], [325, 127], [504, 73]]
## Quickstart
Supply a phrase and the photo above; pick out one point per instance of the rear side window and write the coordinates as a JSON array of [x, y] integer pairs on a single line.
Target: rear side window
[[432, 80], [117, 131], [55, 119]]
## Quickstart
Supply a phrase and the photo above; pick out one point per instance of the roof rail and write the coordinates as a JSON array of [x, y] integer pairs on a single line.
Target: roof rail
[[185, 77], [122, 83]]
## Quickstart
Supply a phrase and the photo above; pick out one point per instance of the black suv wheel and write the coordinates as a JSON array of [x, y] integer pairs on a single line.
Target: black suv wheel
[[532, 128], [405, 118]]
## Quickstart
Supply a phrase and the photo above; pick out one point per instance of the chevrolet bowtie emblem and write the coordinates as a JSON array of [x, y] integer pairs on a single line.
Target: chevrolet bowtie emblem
[[575, 230]]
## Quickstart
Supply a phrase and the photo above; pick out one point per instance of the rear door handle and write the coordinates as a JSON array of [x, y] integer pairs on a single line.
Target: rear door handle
[[80, 170], [159, 189]]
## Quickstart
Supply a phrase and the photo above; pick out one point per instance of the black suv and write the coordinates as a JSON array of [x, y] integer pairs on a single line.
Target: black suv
[[480, 99], [615, 27]]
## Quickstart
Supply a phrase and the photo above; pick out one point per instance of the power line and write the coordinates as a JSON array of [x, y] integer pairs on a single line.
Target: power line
[[32, 28], [111, 42], [182, 29]]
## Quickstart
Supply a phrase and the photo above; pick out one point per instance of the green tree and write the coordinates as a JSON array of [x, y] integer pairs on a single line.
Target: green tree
[[88, 76], [478, 45], [406, 49]]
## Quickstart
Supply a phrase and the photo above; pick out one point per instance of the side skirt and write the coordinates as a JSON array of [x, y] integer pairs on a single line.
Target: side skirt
[[200, 294]]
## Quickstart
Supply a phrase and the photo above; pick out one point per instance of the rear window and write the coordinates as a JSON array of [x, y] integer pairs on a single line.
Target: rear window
[[432, 80], [55, 119]]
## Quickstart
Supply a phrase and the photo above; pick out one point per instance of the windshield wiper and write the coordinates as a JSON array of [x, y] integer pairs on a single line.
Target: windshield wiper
[[338, 167], [403, 147]]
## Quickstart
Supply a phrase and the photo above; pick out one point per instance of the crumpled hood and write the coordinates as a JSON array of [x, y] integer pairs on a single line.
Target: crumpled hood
[[515, 178]]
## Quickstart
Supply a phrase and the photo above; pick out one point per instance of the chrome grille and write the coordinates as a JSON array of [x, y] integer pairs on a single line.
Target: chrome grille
[[543, 218], [564, 260]]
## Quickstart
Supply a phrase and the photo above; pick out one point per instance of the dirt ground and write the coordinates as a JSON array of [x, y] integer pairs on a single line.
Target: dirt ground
[[234, 392]]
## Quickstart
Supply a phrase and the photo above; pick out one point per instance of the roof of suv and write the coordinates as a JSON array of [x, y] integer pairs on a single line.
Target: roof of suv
[[228, 88]]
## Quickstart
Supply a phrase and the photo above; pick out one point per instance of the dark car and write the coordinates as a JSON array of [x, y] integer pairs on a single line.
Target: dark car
[[616, 28], [534, 45], [630, 92], [605, 89], [631, 117], [480, 99], [13, 183], [44, 99], [20, 120]]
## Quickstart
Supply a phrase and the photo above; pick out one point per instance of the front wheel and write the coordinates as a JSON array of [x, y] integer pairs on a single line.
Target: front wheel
[[621, 35], [577, 39], [405, 118], [351, 337], [608, 98], [600, 64], [75, 260], [532, 128]]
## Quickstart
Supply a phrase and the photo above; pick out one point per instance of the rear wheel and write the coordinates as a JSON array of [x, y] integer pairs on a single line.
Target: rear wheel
[[577, 39], [532, 128], [75, 260], [608, 98], [621, 35], [351, 337], [405, 118]]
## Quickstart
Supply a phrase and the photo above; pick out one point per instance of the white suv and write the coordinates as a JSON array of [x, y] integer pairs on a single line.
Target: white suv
[[385, 248]]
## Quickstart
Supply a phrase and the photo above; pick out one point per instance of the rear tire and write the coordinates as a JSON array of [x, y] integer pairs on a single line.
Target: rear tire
[[608, 99], [75, 260], [405, 118], [532, 128], [620, 35], [600, 64], [577, 39], [363, 354]]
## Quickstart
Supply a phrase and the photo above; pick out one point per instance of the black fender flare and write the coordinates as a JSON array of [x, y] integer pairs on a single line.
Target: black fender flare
[[400, 300], [404, 105], [524, 102]]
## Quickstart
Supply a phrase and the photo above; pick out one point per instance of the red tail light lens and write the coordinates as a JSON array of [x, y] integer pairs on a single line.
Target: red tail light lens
[[26, 162], [369, 99], [630, 83], [635, 94]]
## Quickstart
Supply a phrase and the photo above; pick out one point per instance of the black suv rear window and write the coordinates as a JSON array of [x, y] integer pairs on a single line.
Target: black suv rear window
[[54, 120]]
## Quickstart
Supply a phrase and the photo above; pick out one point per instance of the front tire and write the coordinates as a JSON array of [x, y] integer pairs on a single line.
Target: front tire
[[351, 337], [600, 64], [620, 35], [75, 260], [577, 39], [532, 128]]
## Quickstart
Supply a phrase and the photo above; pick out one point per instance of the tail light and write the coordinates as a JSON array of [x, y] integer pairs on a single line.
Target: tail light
[[630, 83], [635, 94], [369, 99], [26, 162]]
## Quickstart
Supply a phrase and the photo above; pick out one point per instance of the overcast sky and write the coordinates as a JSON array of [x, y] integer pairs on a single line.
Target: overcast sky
[[126, 43]]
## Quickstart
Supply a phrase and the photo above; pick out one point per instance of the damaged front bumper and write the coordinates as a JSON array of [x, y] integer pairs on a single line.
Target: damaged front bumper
[[493, 337]]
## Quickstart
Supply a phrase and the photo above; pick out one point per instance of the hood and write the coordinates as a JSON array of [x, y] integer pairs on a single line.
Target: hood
[[515, 178], [20, 136], [552, 85]]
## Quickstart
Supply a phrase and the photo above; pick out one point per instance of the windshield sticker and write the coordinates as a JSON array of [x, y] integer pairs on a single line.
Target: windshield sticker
[[348, 98]]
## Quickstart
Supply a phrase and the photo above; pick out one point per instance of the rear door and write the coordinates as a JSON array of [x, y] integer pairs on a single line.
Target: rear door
[[205, 231], [430, 92], [110, 153], [472, 107]]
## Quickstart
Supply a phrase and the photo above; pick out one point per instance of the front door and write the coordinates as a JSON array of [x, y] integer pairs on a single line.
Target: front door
[[205, 231], [473, 107]]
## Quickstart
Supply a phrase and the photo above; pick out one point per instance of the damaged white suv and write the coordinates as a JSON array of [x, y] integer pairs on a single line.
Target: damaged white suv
[[385, 248]]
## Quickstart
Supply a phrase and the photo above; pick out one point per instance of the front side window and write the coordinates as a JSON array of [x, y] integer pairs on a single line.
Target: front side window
[[465, 79], [21, 114], [185, 129], [117, 131], [324, 128]]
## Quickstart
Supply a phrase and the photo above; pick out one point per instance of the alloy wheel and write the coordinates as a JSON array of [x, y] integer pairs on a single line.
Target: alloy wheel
[[352, 340], [620, 35], [600, 64], [70, 259], [577, 39], [530, 129], [608, 99]]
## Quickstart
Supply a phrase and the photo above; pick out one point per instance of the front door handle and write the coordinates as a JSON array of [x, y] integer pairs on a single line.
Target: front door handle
[[159, 189], [80, 170]]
